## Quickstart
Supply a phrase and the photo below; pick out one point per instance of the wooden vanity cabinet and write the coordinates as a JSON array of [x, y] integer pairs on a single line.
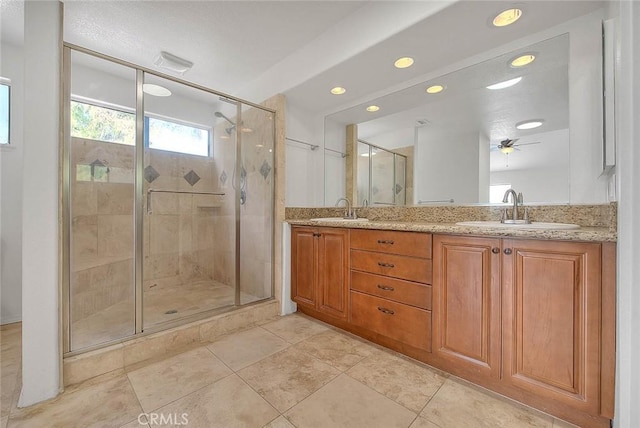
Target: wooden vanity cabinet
[[391, 288], [531, 319], [466, 305], [320, 269]]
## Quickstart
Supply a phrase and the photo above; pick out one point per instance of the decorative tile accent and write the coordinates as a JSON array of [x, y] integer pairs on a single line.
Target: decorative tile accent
[[98, 170], [223, 177], [398, 188], [150, 174], [265, 169], [191, 177]]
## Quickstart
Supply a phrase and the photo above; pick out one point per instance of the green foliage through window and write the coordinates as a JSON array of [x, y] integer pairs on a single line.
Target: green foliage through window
[[116, 126]]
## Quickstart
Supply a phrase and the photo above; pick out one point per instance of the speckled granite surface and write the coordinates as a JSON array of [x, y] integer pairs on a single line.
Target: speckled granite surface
[[598, 222]]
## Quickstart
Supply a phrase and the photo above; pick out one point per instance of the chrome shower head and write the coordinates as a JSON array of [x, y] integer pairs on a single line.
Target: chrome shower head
[[221, 115]]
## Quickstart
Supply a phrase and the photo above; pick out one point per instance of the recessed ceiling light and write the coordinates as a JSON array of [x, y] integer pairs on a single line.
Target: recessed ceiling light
[[523, 60], [507, 17], [373, 108], [435, 89], [338, 90], [155, 90], [404, 62], [529, 124], [505, 84]]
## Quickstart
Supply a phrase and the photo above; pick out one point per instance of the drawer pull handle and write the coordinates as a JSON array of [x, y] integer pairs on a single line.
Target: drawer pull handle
[[495, 250], [507, 251], [381, 264], [385, 287], [385, 241], [385, 310]]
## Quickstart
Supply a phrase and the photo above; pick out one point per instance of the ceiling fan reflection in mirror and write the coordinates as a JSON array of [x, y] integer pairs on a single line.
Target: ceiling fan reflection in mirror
[[507, 146]]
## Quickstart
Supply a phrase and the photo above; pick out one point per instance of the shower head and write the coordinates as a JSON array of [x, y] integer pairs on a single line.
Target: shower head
[[221, 115]]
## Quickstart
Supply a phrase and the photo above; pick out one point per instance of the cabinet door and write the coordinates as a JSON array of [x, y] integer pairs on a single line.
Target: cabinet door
[[333, 271], [303, 265], [551, 318], [466, 305]]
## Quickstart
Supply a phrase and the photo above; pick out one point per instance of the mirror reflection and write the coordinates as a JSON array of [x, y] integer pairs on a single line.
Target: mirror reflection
[[470, 135]]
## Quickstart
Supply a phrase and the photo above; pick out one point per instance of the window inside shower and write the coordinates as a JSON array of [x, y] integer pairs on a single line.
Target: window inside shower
[[169, 202]]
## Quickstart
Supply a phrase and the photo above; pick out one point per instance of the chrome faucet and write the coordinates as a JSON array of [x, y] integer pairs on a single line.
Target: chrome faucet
[[348, 212], [517, 199]]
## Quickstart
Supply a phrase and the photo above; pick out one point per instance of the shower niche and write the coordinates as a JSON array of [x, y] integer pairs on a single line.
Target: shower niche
[[169, 193]]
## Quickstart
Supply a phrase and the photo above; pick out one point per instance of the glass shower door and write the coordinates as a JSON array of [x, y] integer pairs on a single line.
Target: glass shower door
[[189, 216], [256, 134]]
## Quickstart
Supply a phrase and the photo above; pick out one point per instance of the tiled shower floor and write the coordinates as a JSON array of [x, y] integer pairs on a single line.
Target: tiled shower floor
[[291, 372], [160, 305]]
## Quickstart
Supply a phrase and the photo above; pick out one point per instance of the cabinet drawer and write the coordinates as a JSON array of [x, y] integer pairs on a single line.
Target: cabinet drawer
[[403, 323], [410, 268], [413, 244], [398, 290]]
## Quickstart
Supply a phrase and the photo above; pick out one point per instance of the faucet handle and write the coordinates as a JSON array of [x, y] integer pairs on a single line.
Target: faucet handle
[[525, 217], [503, 215], [520, 198]]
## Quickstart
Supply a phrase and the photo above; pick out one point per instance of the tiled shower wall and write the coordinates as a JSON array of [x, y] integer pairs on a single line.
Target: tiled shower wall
[[180, 234]]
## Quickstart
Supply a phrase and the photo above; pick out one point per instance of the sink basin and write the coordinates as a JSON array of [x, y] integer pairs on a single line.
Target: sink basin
[[346, 220], [534, 225]]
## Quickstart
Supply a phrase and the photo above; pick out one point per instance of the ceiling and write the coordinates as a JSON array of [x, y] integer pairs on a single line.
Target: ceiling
[[254, 49]]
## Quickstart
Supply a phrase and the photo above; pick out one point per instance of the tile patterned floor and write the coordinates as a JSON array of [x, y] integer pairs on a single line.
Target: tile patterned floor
[[293, 372]]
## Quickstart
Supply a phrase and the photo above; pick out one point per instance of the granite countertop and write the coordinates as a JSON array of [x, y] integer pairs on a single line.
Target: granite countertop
[[599, 234]]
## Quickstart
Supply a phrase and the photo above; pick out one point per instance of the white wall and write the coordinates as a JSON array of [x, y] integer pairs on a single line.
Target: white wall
[[304, 167], [484, 167], [628, 165], [585, 110], [446, 171], [41, 352], [11, 66], [537, 185], [335, 172]]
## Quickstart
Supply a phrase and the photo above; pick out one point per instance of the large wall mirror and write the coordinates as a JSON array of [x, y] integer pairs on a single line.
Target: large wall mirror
[[527, 118]]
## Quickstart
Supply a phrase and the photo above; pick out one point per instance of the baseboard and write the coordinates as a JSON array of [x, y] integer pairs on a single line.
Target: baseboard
[[10, 320]]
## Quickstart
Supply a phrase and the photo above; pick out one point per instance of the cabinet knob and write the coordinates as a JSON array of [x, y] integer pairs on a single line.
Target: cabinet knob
[[507, 251], [385, 310], [385, 241], [385, 287], [495, 250], [382, 264]]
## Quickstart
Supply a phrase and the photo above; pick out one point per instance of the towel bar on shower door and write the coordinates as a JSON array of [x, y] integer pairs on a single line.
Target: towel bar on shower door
[[150, 191]]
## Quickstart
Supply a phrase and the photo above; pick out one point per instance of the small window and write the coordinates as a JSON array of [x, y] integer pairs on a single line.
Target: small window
[[103, 124], [5, 105], [496, 192], [163, 134]]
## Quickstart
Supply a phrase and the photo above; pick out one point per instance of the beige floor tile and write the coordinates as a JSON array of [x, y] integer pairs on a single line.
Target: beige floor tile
[[557, 423], [279, 422], [457, 405], [335, 349], [287, 377], [227, 403], [135, 424], [175, 377], [421, 422], [408, 383], [345, 402], [106, 404], [8, 383], [242, 349], [3, 422], [295, 328]]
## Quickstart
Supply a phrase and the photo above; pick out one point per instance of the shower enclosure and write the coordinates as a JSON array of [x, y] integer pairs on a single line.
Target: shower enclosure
[[168, 197]]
